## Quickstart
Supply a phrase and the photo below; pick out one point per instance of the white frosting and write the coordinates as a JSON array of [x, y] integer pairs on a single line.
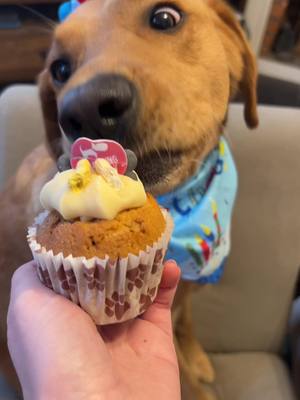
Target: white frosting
[[84, 193]]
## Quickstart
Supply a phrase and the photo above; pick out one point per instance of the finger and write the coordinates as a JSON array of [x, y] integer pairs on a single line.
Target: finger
[[25, 277], [168, 285], [26, 287], [159, 313], [36, 310], [29, 297], [48, 335]]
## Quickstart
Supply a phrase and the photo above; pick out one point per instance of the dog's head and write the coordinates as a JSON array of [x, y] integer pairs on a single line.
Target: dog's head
[[155, 76]]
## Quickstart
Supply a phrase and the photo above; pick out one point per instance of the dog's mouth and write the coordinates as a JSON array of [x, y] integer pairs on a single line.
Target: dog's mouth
[[155, 166]]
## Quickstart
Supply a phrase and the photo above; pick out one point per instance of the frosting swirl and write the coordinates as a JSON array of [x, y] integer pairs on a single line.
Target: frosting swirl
[[89, 193]]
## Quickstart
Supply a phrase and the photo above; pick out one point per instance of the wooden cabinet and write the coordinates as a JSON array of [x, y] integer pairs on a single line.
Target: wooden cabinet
[[22, 52], [263, 19], [23, 48]]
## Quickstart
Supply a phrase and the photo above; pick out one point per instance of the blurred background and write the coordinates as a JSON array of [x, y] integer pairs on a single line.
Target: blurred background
[[273, 27]]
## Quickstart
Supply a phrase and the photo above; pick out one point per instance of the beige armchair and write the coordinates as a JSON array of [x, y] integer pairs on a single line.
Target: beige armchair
[[243, 321]]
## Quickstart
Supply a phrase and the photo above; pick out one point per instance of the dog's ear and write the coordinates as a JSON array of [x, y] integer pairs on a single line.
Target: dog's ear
[[49, 109], [241, 60]]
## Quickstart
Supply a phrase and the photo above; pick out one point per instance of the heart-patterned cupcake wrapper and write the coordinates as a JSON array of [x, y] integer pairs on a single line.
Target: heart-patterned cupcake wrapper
[[110, 291]]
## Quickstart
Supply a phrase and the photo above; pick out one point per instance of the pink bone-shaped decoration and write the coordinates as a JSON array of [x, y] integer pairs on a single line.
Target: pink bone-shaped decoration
[[110, 150]]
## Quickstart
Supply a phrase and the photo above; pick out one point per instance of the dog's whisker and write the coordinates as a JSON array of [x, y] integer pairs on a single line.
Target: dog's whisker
[[140, 149], [146, 146], [158, 152], [169, 154], [51, 23]]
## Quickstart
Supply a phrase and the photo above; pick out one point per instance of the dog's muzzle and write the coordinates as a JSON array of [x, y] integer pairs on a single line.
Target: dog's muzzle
[[104, 107]]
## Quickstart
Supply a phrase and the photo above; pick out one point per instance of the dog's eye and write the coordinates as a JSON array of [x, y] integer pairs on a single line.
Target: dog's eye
[[164, 18], [61, 71]]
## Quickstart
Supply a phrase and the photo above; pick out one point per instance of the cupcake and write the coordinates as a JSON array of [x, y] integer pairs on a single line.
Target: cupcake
[[101, 241]]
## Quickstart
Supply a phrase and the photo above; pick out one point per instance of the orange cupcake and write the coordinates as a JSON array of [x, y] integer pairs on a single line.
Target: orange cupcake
[[101, 242]]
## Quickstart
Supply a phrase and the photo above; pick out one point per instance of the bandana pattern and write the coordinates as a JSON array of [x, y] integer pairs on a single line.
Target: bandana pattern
[[202, 209]]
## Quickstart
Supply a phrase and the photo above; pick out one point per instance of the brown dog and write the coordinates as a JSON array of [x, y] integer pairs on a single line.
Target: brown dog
[[155, 77]]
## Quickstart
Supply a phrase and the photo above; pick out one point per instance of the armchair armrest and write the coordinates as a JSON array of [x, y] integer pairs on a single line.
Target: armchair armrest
[[21, 127], [294, 331]]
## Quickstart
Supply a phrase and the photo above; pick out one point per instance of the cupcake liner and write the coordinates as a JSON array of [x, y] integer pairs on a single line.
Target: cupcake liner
[[110, 291]]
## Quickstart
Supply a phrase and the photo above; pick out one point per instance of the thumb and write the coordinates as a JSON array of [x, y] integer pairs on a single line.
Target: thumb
[[168, 285], [159, 313]]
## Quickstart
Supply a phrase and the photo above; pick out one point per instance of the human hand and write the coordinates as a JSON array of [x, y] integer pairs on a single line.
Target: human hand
[[59, 353]]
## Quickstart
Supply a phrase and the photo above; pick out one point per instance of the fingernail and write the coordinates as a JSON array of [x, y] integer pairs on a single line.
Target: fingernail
[[172, 261]]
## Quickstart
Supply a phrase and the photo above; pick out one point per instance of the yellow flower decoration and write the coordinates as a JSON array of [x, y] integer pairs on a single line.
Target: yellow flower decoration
[[81, 178]]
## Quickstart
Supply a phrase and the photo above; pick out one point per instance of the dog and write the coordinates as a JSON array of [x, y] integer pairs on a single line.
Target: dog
[[157, 78]]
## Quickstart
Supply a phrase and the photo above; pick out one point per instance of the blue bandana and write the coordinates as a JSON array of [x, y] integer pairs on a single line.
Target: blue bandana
[[201, 209]]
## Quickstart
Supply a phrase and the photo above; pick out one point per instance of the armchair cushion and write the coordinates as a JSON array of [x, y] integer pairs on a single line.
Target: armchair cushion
[[249, 309], [251, 376]]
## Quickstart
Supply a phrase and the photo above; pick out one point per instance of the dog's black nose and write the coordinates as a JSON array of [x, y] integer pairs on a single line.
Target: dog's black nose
[[104, 107]]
